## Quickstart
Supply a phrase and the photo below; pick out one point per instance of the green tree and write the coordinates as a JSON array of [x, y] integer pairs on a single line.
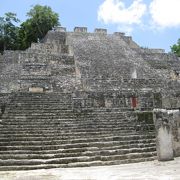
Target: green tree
[[8, 31], [40, 20], [176, 48]]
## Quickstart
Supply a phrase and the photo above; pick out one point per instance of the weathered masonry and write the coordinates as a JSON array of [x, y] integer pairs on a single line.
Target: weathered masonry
[[85, 99]]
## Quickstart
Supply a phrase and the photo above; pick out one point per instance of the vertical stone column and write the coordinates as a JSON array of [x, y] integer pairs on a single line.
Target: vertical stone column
[[134, 73], [164, 138]]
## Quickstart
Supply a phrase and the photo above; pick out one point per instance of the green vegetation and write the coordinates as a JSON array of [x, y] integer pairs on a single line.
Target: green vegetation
[[8, 31], [176, 48], [40, 20], [145, 117]]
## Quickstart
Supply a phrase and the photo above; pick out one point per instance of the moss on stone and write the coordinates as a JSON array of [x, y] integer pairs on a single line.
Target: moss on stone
[[145, 117]]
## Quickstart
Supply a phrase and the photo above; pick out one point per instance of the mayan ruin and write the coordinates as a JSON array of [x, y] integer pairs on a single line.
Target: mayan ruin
[[80, 99]]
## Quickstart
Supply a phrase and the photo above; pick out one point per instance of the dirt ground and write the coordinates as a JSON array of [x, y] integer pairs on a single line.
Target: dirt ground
[[139, 171]]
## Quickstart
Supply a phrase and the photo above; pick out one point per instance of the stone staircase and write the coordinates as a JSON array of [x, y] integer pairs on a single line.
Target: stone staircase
[[42, 130]]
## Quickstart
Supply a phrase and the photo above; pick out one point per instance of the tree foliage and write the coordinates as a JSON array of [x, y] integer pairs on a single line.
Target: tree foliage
[[40, 20], [8, 31], [176, 48]]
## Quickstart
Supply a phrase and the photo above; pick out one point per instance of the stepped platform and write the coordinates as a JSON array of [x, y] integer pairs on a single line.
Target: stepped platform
[[42, 130]]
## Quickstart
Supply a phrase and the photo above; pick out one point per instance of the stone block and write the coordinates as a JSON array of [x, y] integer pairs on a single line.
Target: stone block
[[36, 89], [134, 73], [80, 29], [100, 31], [60, 29], [108, 103], [164, 138]]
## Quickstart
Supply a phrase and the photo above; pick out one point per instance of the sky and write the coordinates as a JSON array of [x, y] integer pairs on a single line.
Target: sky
[[151, 23]]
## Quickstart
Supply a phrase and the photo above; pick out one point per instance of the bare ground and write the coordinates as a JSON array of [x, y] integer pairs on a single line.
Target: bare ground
[[153, 170]]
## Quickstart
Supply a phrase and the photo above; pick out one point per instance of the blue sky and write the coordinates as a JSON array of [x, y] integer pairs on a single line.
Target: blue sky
[[151, 23]]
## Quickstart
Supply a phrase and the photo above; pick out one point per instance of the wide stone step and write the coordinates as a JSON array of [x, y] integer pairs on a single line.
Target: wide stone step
[[47, 146], [59, 106], [80, 150], [81, 164], [114, 162], [69, 135], [66, 127], [29, 117], [69, 121], [76, 154], [36, 97], [43, 99], [87, 112], [57, 142], [69, 112], [40, 112], [36, 105], [69, 126], [32, 104], [39, 102], [60, 115], [65, 132], [97, 139], [43, 95], [39, 107], [61, 125], [14, 162], [64, 122]]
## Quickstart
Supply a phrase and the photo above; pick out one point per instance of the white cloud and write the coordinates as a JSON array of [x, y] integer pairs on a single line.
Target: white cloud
[[125, 28], [114, 11], [158, 14], [165, 13]]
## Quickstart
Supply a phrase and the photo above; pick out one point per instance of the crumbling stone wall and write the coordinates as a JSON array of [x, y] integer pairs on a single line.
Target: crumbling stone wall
[[124, 100]]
